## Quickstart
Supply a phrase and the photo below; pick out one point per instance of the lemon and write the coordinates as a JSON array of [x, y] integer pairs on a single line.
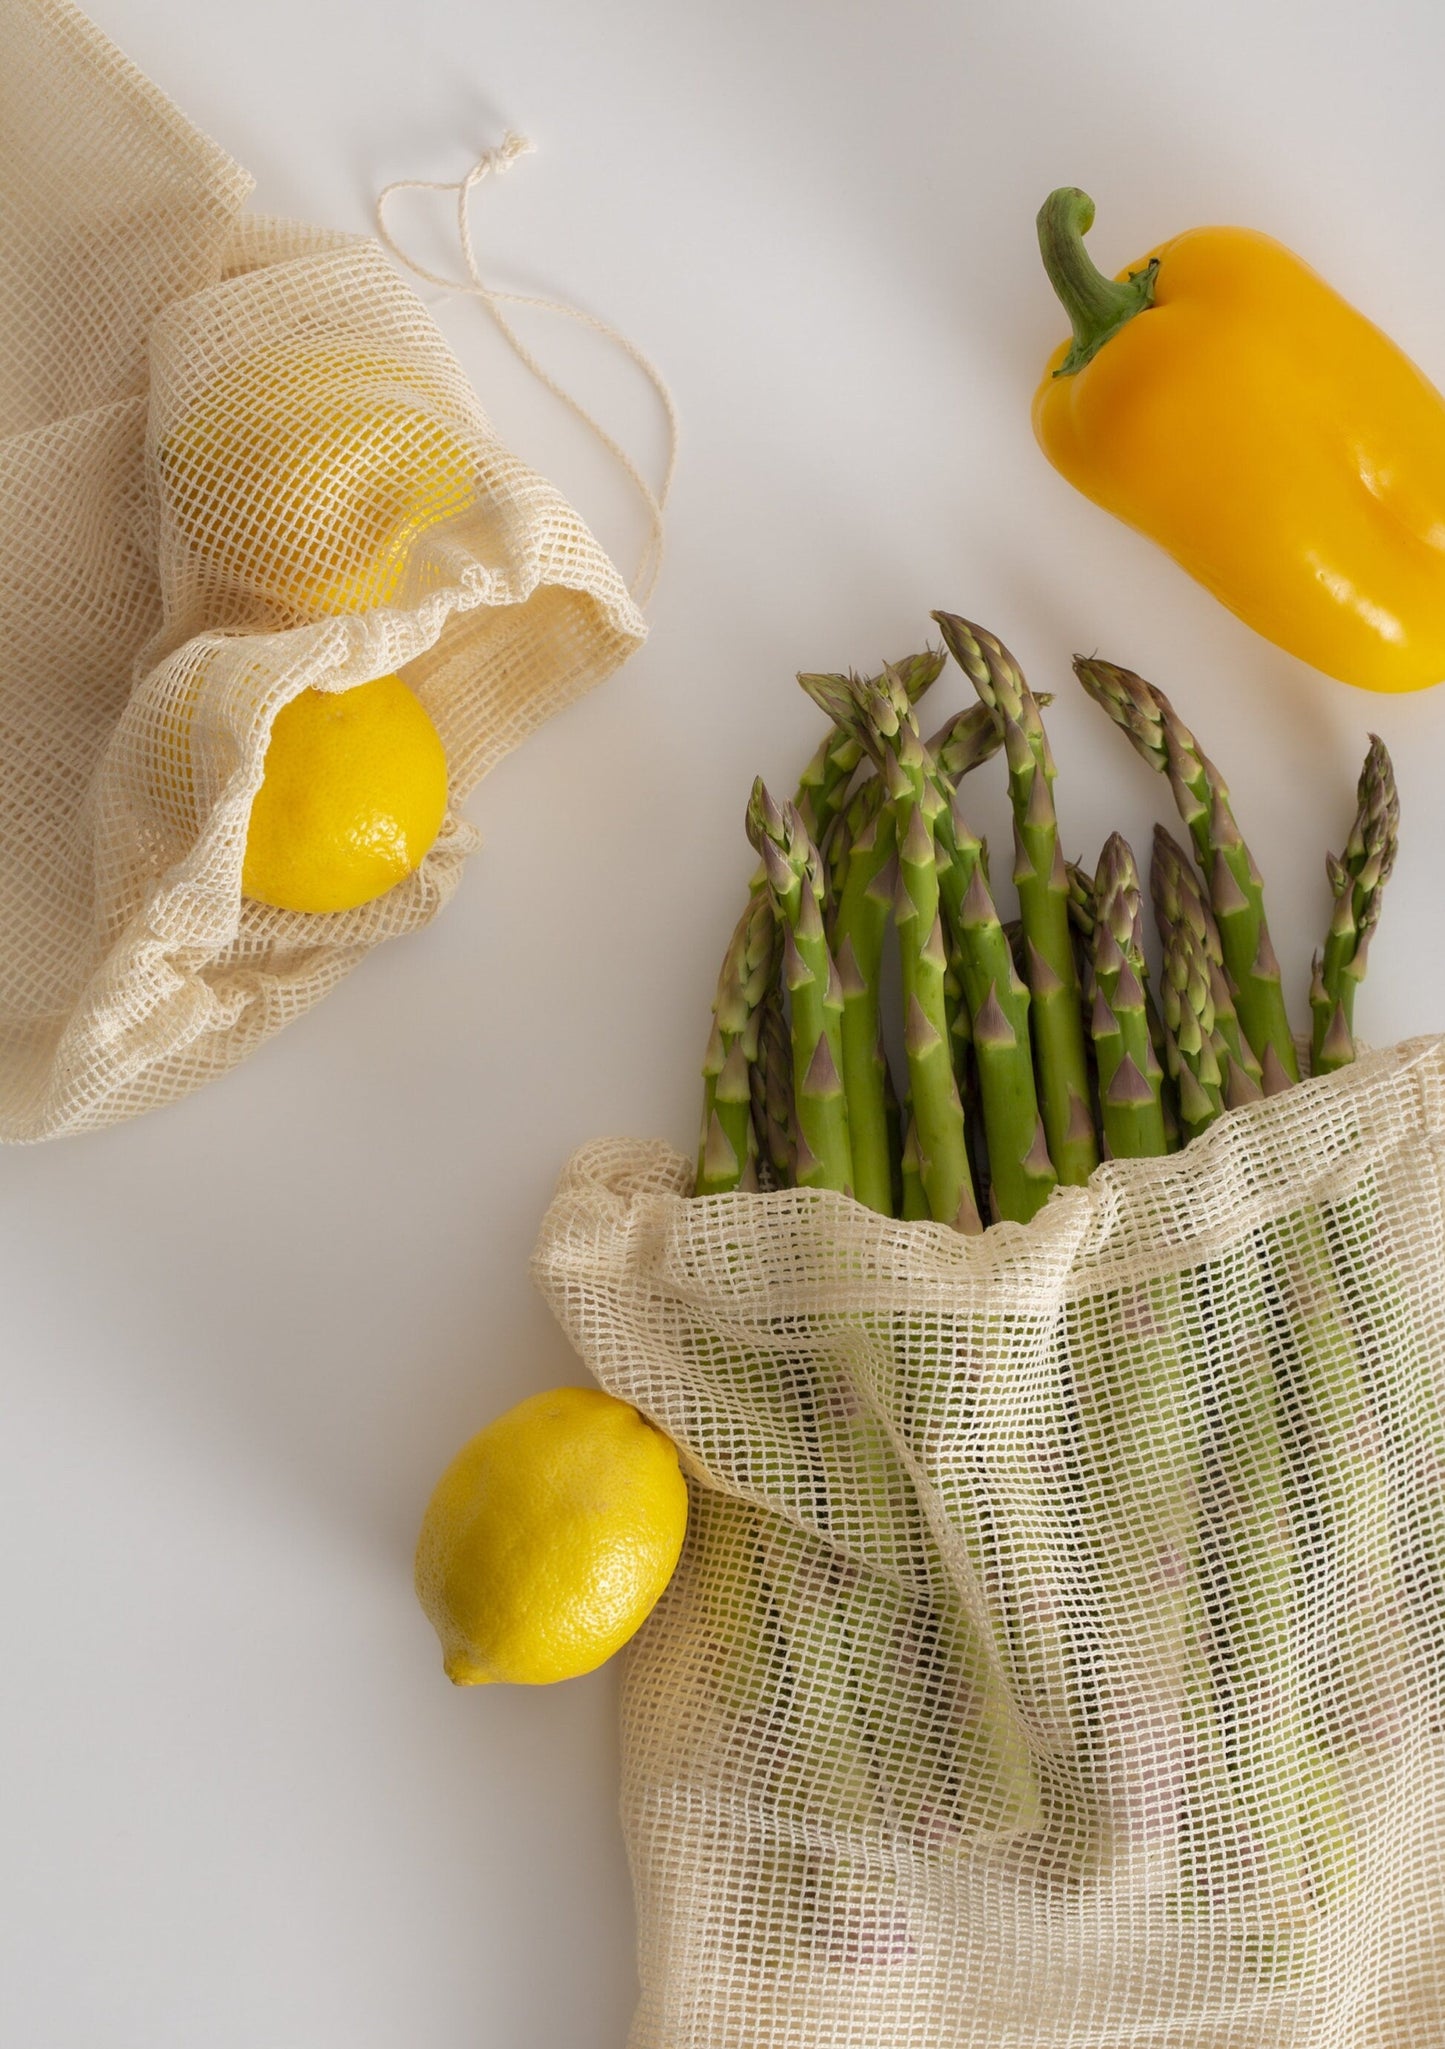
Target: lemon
[[307, 471], [549, 1539], [352, 798]]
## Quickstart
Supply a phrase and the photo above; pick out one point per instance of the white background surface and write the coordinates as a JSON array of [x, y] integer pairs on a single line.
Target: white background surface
[[242, 1807]]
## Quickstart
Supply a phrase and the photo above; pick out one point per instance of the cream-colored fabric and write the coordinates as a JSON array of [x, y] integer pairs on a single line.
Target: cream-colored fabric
[[1057, 1658], [147, 640]]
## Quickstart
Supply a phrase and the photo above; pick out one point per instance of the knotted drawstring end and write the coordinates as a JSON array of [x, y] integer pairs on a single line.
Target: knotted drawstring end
[[500, 160]]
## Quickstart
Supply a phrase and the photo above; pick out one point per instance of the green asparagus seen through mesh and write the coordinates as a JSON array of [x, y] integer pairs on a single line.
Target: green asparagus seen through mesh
[[1287, 1787]]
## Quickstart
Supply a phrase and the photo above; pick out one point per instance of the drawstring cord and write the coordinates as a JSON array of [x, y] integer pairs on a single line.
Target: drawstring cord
[[498, 161]]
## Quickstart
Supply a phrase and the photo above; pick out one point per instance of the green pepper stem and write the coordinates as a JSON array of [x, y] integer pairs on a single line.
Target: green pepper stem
[[1097, 306]]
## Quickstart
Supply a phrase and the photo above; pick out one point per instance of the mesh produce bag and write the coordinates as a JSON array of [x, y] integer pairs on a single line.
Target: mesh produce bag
[[236, 460], [1057, 1657]]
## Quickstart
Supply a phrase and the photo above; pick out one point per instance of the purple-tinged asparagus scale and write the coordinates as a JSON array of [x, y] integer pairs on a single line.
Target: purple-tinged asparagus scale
[[1016, 1035]]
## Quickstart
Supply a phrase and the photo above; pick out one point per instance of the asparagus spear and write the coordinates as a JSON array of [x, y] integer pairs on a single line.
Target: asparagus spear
[[937, 1112], [726, 1146], [1287, 1791], [852, 823], [1357, 881], [824, 783], [1082, 901], [994, 1016], [1130, 1078], [1081, 918], [1341, 1482], [863, 904], [1177, 900], [915, 1202], [1195, 1056], [997, 1006], [1236, 889], [967, 740], [970, 738], [794, 872], [1042, 881], [771, 1075]]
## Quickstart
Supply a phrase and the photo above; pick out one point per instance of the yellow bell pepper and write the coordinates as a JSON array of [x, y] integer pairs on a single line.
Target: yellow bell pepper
[[1221, 398]]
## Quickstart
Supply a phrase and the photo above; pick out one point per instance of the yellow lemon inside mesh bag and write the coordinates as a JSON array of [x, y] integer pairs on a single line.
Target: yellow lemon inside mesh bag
[[549, 1539], [352, 798], [308, 470]]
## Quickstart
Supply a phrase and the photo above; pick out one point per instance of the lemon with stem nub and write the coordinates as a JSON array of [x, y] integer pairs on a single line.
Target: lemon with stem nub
[[352, 798], [549, 1539]]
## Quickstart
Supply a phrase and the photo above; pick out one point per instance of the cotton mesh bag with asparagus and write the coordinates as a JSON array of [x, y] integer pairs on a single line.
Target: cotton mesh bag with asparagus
[[1056, 1348]]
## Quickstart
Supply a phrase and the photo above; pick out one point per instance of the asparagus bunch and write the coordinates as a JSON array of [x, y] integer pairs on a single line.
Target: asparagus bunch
[[1022, 1053], [1024, 1047]]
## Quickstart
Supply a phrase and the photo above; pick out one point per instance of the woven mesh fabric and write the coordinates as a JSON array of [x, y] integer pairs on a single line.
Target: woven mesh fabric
[[236, 460], [1057, 1657]]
